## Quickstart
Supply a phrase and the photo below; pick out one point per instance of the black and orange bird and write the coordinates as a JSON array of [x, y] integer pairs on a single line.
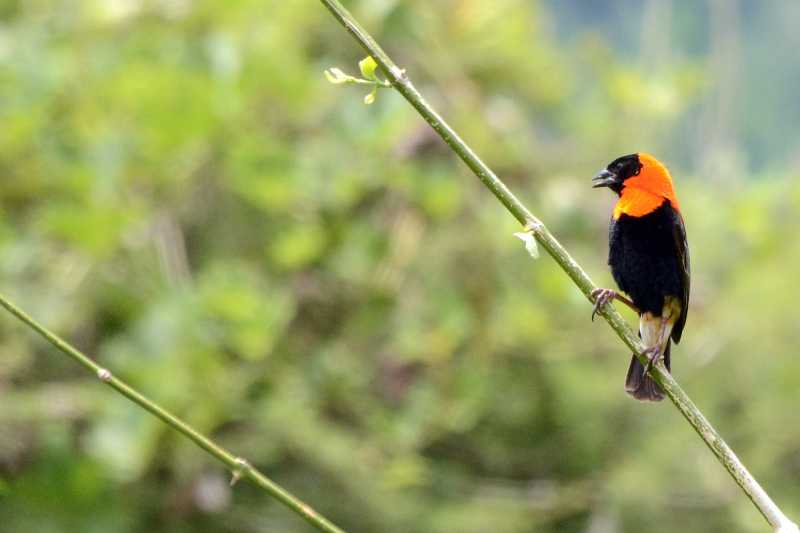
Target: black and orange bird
[[649, 261]]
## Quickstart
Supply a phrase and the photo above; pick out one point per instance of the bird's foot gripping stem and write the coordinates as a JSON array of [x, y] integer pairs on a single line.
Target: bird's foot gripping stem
[[606, 296], [653, 355]]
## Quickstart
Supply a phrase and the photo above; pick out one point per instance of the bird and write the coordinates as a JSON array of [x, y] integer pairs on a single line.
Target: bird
[[649, 259]]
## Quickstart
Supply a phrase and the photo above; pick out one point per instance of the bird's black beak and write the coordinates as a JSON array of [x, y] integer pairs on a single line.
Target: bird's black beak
[[607, 179]]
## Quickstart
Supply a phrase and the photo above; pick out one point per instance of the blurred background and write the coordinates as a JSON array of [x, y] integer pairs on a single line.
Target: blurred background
[[322, 287]]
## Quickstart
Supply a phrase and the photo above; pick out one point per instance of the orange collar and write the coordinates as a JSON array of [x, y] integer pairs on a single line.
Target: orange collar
[[645, 192], [637, 202]]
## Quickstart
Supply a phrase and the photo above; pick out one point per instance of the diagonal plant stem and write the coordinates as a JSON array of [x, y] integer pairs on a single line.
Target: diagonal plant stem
[[240, 467], [398, 78]]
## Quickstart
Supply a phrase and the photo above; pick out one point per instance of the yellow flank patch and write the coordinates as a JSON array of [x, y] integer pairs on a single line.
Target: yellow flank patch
[[673, 303], [650, 324]]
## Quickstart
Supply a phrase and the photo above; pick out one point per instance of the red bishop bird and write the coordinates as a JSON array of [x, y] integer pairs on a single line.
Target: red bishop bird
[[649, 260]]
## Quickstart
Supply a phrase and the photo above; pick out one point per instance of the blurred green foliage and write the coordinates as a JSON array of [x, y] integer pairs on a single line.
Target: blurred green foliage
[[324, 289]]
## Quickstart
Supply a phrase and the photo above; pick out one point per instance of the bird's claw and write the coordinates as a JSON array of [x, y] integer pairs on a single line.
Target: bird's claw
[[654, 354], [604, 296]]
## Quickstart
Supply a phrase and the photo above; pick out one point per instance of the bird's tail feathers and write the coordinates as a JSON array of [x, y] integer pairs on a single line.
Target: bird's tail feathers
[[641, 386]]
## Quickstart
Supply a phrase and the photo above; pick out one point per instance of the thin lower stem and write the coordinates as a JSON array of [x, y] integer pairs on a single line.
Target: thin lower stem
[[241, 468]]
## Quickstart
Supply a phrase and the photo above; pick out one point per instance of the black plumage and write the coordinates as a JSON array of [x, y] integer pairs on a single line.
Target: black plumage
[[649, 261]]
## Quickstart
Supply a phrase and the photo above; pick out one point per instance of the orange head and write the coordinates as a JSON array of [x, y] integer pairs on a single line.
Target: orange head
[[642, 183]]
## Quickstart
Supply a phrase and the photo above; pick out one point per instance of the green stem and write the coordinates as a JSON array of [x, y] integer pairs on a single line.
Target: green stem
[[400, 81], [240, 467]]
